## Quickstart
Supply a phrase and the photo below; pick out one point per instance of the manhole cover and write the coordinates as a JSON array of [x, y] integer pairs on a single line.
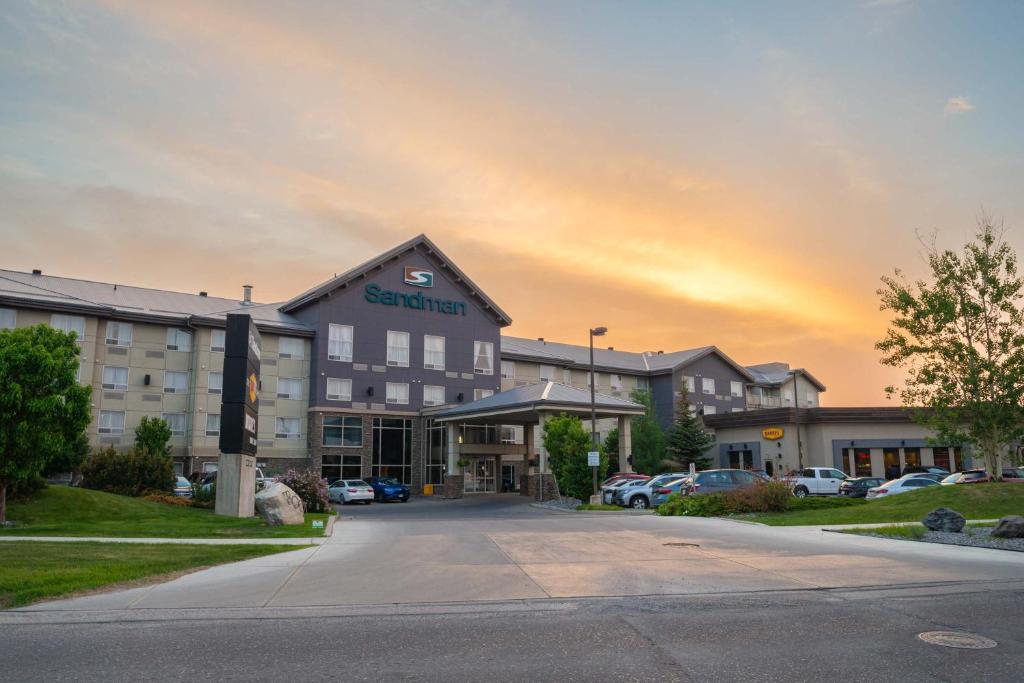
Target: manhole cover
[[959, 639], [682, 545]]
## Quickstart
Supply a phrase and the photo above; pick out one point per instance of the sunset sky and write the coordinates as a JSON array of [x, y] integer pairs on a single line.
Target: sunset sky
[[737, 174]]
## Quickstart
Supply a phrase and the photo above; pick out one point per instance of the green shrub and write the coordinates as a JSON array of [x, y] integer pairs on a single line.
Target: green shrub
[[310, 487], [204, 498], [134, 473], [703, 505], [26, 488]]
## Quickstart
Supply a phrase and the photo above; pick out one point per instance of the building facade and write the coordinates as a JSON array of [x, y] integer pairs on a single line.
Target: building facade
[[355, 368]]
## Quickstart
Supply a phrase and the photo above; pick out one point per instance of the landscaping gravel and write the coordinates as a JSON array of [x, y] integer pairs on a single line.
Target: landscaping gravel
[[977, 537], [565, 503]]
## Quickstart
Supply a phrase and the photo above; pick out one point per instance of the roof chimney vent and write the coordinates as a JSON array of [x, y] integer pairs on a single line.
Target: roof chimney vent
[[202, 293], [247, 295], [36, 271], [611, 348], [540, 339], [660, 352]]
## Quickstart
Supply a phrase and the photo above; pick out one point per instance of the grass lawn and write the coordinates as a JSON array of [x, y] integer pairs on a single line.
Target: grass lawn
[[33, 570], [973, 501], [66, 511]]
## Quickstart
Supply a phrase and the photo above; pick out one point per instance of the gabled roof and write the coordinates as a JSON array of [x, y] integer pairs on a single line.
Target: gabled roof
[[550, 396], [421, 243], [135, 303], [777, 374], [608, 359]]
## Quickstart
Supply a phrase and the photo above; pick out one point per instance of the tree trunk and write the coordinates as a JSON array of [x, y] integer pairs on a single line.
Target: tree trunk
[[3, 503]]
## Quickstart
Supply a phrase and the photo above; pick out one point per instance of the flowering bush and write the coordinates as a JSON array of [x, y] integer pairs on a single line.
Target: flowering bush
[[309, 486]]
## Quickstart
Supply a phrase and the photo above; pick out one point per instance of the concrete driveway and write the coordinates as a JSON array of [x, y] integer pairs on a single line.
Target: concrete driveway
[[500, 548]]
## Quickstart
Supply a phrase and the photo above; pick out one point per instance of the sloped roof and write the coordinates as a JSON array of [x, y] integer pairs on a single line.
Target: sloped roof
[[421, 242], [138, 303], [609, 359], [541, 396], [777, 373]]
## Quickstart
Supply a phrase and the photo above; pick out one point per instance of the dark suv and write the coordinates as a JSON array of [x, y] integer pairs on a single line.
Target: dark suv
[[714, 481], [858, 487]]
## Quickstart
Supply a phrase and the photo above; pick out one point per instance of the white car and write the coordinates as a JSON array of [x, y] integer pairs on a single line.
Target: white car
[[901, 485], [345, 491], [817, 481], [640, 496]]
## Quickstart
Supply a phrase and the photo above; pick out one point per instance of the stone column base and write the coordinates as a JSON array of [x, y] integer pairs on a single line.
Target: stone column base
[[454, 485], [542, 482]]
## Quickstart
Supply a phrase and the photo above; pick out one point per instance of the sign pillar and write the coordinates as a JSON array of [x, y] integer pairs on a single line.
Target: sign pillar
[[239, 414]]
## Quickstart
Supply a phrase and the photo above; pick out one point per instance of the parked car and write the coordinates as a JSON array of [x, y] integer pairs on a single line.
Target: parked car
[[182, 487], [609, 490], [388, 488], [661, 492], [857, 487], [210, 478], [952, 479], [716, 481], [817, 481], [902, 485], [623, 475], [925, 469], [346, 491], [973, 477], [639, 496], [937, 478], [1013, 474]]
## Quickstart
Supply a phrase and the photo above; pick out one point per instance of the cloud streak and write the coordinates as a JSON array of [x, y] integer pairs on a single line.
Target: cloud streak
[[957, 105]]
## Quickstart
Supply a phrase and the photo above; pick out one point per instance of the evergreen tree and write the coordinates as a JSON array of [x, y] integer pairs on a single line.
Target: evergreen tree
[[648, 439], [687, 441]]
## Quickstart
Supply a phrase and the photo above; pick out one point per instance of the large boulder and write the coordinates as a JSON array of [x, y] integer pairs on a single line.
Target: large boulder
[[1011, 526], [278, 504], [944, 519]]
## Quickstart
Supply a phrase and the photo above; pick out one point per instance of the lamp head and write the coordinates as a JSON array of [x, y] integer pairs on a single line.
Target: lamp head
[[599, 331]]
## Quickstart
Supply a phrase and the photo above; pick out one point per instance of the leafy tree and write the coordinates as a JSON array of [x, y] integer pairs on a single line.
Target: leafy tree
[[687, 441], [567, 444], [960, 338], [648, 439], [44, 410], [152, 435], [611, 447]]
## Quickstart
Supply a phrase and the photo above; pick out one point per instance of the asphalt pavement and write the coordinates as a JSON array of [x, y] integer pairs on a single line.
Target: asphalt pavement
[[494, 589]]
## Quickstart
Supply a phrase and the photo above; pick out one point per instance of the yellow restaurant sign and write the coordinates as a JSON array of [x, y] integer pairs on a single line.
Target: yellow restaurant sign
[[772, 433]]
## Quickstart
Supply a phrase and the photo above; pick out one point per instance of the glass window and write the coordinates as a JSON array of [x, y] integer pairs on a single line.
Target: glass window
[[119, 334], [437, 454], [8, 318], [690, 383], [482, 393], [339, 389], [567, 377], [68, 323], [212, 424], [111, 422], [912, 456], [287, 428], [808, 474], [179, 340], [392, 448], [615, 381], [176, 422], [215, 382], [743, 478], [707, 385], [398, 349], [508, 369], [433, 395], [397, 392], [736, 389], [339, 343], [811, 398], [862, 462], [547, 373], [289, 387], [290, 347], [175, 382], [433, 352], [343, 430], [343, 467], [217, 340], [940, 456], [483, 358], [710, 410], [115, 378]]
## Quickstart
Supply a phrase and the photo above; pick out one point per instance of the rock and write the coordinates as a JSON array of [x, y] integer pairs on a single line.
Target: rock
[[278, 505], [1011, 526], [944, 519]]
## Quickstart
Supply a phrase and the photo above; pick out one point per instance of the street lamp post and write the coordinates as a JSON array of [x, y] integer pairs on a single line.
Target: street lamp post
[[594, 332]]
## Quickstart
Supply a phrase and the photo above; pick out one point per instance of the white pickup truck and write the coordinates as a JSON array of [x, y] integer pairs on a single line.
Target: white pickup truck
[[817, 481]]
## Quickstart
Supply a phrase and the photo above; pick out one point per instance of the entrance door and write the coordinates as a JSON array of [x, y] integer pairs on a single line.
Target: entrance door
[[741, 460], [480, 476], [891, 457], [509, 479]]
